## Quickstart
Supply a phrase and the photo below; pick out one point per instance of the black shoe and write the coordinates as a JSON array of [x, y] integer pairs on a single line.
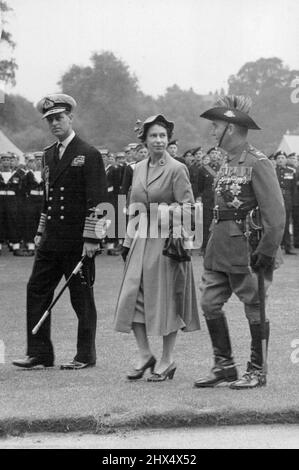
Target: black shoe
[[23, 252], [30, 253], [31, 362], [76, 365], [224, 370], [18, 252], [289, 252], [219, 375], [138, 373], [251, 379], [166, 374]]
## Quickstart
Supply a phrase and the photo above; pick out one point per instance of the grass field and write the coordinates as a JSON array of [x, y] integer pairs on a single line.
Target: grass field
[[101, 398]]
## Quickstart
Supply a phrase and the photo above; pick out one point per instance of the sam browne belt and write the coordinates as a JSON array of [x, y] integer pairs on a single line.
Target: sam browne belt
[[229, 214]]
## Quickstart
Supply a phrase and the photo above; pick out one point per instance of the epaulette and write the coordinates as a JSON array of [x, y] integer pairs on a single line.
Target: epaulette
[[49, 146], [257, 153]]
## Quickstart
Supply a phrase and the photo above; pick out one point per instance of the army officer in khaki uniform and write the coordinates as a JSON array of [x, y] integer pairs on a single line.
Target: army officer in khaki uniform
[[246, 180]]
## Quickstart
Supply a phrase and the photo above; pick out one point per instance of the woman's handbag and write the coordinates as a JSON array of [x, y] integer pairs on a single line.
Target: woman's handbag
[[174, 249], [174, 246]]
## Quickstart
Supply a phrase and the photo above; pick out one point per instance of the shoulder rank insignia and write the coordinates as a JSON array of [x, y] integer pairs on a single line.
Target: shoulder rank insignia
[[257, 153]]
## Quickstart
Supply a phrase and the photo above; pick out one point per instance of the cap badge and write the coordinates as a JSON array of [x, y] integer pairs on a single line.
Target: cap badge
[[48, 104], [229, 114]]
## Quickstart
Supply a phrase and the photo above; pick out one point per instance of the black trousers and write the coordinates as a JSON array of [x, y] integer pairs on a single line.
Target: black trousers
[[48, 269], [295, 217], [21, 216], [9, 219], [34, 206], [286, 241]]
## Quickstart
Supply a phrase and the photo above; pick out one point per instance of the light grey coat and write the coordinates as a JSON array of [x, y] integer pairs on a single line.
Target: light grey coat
[[170, 301]]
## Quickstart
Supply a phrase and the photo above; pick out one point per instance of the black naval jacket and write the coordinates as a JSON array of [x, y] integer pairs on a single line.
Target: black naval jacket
[[73, 188]]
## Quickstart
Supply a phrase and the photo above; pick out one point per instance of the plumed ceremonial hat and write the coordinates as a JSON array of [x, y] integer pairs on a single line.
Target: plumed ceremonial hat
[[233, 109], [56, 103], [142, 128]]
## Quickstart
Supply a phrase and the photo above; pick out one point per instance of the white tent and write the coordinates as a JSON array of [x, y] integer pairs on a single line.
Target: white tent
[[6, 145], [289, 144]]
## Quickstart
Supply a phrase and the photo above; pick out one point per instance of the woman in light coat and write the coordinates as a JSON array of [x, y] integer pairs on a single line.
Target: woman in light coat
[[157, 295]]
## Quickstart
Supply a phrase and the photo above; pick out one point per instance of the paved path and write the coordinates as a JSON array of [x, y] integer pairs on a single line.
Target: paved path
[[221, 437]]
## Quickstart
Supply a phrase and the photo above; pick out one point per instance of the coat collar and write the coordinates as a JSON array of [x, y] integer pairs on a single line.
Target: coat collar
[[237, 151], [158, 170]]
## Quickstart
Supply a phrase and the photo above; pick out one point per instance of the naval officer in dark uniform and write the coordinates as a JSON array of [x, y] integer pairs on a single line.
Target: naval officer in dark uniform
[[75, 183], [245, 180]]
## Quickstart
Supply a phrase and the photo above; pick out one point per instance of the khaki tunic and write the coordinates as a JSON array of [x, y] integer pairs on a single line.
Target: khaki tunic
[[169, 291], [247, 180]]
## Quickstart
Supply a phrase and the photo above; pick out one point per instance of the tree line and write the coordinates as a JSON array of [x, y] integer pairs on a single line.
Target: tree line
[[110, 101]]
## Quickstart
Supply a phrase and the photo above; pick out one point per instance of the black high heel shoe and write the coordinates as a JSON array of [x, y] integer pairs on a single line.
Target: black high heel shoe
[[138, 373], [166, 374]]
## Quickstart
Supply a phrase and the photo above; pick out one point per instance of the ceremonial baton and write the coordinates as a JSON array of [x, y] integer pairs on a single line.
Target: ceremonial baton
[[261, 291], [48, 311]]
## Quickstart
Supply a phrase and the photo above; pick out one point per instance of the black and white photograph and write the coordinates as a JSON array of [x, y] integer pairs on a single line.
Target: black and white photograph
[[149, 228]]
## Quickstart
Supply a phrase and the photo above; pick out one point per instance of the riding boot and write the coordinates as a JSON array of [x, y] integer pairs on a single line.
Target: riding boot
[[224, 370], [254, 376]]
